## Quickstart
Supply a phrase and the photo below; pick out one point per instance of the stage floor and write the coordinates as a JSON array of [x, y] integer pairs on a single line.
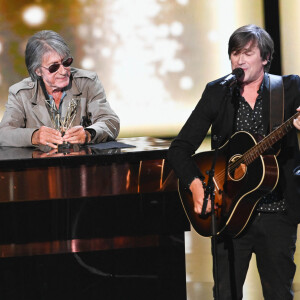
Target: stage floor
[[199, 271]]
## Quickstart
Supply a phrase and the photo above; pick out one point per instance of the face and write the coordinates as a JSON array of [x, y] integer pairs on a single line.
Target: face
[[249, 59], [57, 80]]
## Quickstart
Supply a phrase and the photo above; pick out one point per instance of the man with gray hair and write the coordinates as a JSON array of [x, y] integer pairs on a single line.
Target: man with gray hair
[[57, 104]]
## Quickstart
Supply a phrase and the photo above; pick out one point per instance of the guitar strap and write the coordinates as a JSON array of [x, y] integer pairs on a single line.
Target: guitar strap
[[276, 101]]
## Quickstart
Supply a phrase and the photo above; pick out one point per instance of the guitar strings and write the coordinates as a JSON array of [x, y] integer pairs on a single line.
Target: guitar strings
[[246, 157]]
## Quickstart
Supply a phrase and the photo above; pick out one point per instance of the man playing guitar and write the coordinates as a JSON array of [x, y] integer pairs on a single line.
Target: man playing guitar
[[244, 108]]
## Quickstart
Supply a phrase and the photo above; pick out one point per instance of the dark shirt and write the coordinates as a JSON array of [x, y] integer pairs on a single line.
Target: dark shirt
[[250, 120]]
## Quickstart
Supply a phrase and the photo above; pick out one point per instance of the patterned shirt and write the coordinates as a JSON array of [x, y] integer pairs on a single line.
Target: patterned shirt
[[250, 120]]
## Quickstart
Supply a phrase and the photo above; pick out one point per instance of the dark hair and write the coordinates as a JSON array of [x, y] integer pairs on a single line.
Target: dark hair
[[41, 43], [258, 36]]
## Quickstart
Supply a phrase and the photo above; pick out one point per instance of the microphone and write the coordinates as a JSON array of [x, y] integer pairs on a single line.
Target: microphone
[[233, 77]]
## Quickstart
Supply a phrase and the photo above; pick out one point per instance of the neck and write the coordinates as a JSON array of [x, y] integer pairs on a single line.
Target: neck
[[53, 91], [253, 85]]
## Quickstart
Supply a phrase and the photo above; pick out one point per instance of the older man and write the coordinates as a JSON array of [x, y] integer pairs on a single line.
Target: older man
[[57, 103]]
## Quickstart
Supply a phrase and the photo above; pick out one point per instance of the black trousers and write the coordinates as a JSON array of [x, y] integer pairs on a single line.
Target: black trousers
[[272, 237]]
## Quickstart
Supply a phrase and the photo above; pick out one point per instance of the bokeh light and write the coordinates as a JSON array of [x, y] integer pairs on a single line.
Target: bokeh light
[[34, 15]]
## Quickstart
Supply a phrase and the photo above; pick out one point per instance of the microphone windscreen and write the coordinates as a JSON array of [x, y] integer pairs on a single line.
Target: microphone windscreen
[[238, 72]]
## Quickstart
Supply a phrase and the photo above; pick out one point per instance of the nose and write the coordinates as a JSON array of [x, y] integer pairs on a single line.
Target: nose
[[62, 70], [241, 59]]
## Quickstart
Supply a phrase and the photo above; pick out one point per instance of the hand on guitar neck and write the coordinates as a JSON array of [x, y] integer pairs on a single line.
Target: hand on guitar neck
[[197, 190], [297, 120]]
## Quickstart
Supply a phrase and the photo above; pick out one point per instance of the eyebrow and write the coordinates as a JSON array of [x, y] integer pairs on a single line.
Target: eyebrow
[[57, 62]]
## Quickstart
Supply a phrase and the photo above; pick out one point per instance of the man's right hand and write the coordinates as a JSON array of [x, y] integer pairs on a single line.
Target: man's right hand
[[197, 190], [47, 136]]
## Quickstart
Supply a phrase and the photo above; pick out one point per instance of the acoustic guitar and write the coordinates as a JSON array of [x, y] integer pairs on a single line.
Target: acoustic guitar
[[243, 175]]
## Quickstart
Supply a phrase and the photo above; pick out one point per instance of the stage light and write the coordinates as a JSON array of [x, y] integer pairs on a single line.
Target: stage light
[[88, 63], [97, 33], [183, 2], [176, 28], [34, 15], [186, 83], [106, 52]]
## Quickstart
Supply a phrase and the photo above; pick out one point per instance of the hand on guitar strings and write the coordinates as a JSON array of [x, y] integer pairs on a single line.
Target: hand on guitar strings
[[197, 190]]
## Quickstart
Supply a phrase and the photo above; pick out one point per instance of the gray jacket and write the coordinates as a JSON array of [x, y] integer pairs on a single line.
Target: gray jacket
[[26, 110]]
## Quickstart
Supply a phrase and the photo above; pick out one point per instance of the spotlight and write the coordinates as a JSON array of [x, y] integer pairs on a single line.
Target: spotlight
[[34, 15]]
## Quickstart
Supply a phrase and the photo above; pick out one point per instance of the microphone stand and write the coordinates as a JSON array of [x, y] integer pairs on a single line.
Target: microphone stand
[[210, 194]]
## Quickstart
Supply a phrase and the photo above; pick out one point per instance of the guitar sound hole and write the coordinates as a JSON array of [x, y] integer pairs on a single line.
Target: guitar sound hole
[[236, 170]]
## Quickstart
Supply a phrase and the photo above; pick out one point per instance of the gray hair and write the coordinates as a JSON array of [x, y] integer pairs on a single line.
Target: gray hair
[[41, 43]]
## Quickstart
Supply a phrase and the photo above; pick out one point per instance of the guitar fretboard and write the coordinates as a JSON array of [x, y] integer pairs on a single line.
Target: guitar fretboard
[[267, 142]]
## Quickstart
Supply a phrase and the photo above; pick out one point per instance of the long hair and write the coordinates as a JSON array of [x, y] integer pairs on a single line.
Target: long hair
[[41, 43]]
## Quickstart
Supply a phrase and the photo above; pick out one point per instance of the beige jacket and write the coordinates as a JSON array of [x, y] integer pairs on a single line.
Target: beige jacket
[[26, 110]]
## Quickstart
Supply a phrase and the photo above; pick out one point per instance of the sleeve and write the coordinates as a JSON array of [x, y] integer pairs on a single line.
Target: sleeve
[[105, 122], [13, 131], [190, 138], [289, 156]]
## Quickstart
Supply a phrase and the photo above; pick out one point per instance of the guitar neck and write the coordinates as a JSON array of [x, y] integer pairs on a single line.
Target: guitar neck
[[267, 142]]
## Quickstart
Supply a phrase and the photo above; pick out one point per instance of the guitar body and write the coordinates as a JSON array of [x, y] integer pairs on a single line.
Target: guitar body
[[238, 186]]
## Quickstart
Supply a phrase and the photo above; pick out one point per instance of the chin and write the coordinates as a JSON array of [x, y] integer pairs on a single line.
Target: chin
[[63, 83]]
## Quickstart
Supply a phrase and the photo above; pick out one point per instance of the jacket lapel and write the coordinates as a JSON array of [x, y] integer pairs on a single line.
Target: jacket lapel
[[39, 108], [72, 95]]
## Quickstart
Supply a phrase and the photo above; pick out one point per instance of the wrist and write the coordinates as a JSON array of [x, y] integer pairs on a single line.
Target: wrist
[[92, 133], [196, 183], [88, 137], [34, 140]]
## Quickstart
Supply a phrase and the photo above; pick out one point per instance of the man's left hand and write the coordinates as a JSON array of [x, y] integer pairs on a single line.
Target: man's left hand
[[297, 121], [76, 135]]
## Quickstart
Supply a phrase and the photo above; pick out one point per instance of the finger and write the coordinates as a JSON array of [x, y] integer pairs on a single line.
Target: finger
[[297, 123], [53, 146], [49, 131], [52, 140], [75, 138], [75, 129], [198, 209], [49, 136], [71, 139]]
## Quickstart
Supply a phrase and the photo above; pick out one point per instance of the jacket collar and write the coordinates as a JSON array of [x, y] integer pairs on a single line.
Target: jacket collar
[[38, 101], [266, 103]]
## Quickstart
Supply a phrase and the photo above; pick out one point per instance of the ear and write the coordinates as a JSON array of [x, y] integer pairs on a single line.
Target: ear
[[38, 72], [266, 61]]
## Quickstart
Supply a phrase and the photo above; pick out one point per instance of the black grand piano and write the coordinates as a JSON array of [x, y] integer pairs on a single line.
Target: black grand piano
[[98, 222]]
